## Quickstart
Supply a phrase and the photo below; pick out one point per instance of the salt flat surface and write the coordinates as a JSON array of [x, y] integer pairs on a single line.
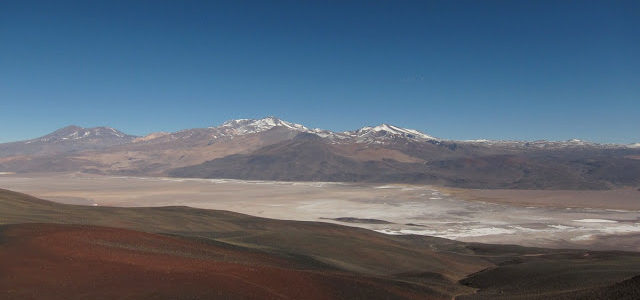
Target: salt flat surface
[[412, 209], [596, 220]]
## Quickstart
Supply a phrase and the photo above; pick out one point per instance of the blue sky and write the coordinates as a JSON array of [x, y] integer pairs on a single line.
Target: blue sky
[[453, 69]]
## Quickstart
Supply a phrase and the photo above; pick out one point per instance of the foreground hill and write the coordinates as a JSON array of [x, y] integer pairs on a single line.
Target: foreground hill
[[49, 261], [218, 254]]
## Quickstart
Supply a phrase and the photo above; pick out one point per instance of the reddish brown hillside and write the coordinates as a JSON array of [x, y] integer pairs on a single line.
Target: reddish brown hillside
[[46, 261]]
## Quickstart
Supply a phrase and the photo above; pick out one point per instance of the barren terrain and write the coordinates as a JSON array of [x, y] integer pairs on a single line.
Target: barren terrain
[[620, 199], [574, 219], [58, 251]]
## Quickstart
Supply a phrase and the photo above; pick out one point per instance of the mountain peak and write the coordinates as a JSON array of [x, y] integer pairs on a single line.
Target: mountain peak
[[391, 130], [69, 128], [74, 133], [365, 134], [247, 126]]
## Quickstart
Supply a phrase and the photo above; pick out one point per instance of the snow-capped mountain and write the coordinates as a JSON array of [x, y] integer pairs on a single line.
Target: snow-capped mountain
[[228, 130], [272, 129], [244, 127], [390, 153], [383, 132], [67, 139], [250, 126], [274, 149], [77, 133], [541, 144], [367, 134]]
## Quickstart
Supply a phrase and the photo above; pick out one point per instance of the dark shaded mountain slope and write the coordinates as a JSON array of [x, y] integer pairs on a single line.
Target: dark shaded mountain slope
[[273, 149], [305, 158], [310, 158]]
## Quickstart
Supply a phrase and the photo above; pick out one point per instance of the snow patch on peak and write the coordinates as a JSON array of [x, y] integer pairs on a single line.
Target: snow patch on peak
[[249, 126], [546, 144], [73, 133], [636, 145], [387, 129], [378, 134], [577, 142], [115, 132]]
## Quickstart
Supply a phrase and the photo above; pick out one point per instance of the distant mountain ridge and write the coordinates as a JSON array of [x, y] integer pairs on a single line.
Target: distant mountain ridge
[[239, 127], [274, 149], [77, 133], [67, 139]]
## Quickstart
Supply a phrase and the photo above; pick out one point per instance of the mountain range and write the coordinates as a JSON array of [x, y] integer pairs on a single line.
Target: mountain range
[[274, 149]]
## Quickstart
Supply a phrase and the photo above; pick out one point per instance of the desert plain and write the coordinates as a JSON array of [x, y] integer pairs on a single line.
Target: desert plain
[[555, 219]]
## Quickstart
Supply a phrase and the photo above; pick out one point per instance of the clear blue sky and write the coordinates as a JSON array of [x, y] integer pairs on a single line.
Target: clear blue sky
[[454, 69]]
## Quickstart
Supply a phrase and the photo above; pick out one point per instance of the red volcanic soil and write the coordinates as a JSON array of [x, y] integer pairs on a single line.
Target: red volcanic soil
[[46, 261]]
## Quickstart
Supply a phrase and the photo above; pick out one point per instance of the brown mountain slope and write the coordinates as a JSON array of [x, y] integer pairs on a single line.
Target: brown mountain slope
[[307, 157], [273, 149], [66, 140], [145, 156], [310, 158], [47, 261], [312, 244], [626, 290]]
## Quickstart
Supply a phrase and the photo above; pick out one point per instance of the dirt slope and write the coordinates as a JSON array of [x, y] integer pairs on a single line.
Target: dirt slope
[[47, 261]]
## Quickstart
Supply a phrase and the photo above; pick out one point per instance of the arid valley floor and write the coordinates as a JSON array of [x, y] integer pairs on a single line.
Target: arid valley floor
[[556, 219]]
